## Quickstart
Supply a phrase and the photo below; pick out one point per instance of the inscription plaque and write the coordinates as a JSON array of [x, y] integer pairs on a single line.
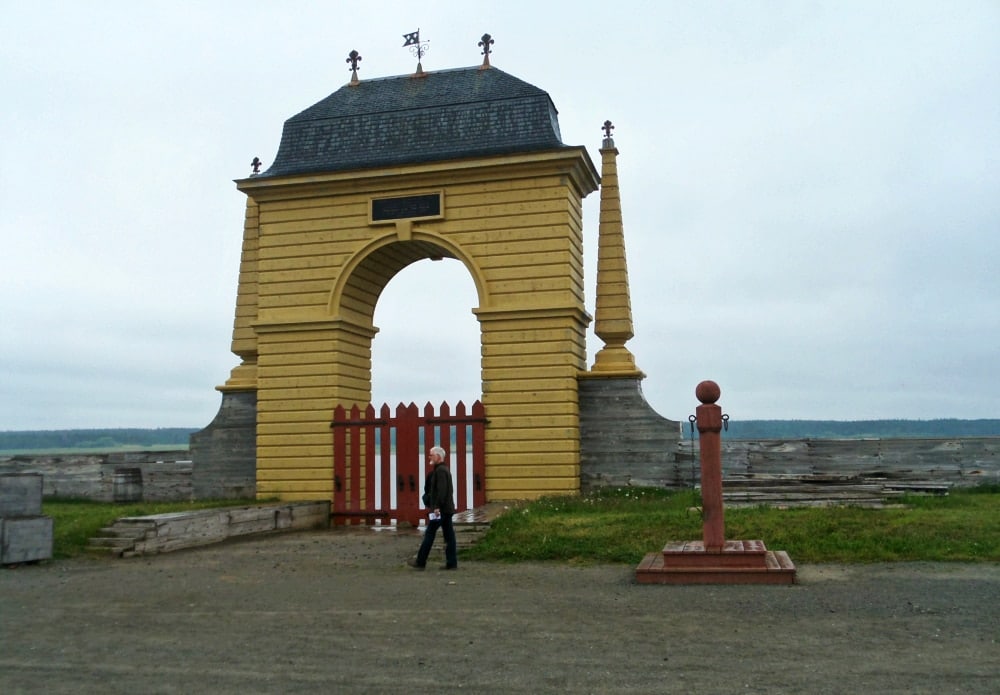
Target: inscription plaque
[[424, 205]]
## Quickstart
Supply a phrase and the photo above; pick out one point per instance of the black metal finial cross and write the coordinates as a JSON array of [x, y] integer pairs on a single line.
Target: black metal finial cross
[[256, 164], [354, 58], [607, 129], [485, 44]]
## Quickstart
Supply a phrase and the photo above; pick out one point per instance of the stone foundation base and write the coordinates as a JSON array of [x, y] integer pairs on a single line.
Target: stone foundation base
[[623, 441], [224, 454]]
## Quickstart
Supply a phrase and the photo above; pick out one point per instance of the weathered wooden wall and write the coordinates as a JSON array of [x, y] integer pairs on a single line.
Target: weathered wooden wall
[[958, 461], [165, 475], [817, 462]]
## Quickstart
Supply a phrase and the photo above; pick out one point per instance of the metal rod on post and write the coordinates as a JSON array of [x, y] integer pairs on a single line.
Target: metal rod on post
[[709, 420]]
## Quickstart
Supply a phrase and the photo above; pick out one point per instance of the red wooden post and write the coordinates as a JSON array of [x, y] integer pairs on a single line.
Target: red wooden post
[[714, 560], [461, 471], [427, 421], [478, 454], [408, 462], [385, 435], [445, 425], [369, 444], [355, 459], [443, 430], [339, 462], [709, 420], [429, 441]]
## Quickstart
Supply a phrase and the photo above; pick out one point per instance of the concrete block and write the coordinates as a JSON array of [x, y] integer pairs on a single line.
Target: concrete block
[[25, 539], [20, 494]]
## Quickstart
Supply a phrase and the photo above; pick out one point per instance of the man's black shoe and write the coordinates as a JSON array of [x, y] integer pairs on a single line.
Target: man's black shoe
[[449, 567], [412, 562]]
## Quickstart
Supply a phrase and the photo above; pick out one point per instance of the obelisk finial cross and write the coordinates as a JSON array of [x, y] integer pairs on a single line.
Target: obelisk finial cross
[[485, 44]]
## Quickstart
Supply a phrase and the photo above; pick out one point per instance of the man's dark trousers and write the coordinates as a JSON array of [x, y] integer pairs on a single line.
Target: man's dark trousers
[[450, 544]]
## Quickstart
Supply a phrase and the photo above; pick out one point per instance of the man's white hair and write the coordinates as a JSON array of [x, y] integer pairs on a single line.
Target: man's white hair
[[440, 452]]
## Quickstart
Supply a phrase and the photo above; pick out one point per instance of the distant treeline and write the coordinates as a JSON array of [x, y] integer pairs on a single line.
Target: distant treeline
[[856, 429], [111, 439], [107, 439]]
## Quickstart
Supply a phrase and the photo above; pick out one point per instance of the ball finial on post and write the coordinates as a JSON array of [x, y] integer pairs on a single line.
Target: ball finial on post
[[707, 392]]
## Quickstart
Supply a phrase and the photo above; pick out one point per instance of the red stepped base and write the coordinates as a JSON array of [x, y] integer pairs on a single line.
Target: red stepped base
[[739, 562]]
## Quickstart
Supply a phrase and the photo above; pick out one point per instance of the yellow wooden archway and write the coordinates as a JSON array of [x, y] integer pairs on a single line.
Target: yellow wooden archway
[[465, 164], [316, 260]]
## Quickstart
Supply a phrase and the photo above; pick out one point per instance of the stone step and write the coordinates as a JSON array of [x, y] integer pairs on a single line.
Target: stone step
[[783, 561], [119, 538]]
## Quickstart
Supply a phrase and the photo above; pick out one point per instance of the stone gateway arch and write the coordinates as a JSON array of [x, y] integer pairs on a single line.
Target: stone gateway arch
[[466, 164]]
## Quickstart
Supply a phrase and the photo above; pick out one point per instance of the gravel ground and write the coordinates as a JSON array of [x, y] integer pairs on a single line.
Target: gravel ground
[[339, 611]]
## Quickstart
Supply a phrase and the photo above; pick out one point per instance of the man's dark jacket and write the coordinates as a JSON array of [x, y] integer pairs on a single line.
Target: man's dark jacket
[[439, 490]]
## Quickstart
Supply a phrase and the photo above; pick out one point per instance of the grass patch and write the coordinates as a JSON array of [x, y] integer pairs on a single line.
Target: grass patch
[[622, 525], [77, 521]]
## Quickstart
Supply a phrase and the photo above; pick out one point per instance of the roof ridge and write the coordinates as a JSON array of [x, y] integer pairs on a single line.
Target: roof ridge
[[425, 73]]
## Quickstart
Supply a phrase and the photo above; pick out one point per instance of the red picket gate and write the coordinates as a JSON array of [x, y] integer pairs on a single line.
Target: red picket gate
[[378, 462]]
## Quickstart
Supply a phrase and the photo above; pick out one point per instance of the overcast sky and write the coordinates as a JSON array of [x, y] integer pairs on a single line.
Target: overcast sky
[[810, 192]]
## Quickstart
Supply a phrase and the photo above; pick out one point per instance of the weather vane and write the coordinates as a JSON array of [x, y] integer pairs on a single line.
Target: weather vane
[[417, 47], [485, 44], [354, 58]]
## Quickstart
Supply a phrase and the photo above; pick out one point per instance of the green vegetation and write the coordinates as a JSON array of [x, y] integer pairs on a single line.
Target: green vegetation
[[77, 521], [622, 525]]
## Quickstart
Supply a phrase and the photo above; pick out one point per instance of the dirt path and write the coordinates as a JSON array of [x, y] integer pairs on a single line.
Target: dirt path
[[338, 611]]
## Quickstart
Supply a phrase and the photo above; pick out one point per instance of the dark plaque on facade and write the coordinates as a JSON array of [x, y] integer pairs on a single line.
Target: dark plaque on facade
[[425, 205]]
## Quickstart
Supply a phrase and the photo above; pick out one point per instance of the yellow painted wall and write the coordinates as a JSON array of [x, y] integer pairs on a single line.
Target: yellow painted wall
[[244, 345], [313, 267]]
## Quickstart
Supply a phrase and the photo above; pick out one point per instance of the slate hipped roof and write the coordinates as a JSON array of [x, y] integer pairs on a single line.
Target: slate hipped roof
[[450, 114]]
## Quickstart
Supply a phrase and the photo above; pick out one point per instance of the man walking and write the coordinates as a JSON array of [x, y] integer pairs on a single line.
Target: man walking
[[438, 497]]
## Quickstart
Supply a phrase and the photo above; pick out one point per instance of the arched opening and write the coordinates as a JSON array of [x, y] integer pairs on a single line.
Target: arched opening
[[428, 345], [426, 350]]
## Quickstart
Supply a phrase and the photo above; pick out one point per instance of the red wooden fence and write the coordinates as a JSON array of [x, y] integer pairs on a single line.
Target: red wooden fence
[[372, 480]]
